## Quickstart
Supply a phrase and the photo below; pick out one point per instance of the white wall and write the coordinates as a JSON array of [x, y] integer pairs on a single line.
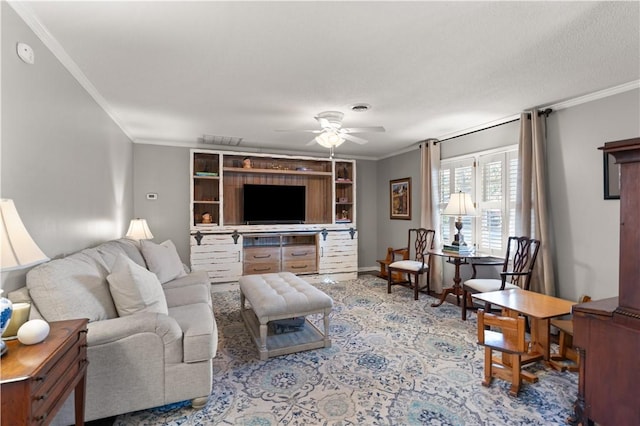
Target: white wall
[[64, 162]]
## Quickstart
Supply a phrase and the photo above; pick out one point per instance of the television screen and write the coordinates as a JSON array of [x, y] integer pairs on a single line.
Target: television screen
[[274, 204]]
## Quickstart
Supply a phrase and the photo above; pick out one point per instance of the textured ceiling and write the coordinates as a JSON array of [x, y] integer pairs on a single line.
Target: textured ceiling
[[170, 72]]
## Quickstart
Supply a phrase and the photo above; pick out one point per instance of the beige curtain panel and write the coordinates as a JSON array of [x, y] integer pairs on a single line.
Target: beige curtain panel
[[429, 200], [532, 218]]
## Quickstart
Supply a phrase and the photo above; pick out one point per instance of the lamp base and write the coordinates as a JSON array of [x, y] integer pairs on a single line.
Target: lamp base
[[458, 239]]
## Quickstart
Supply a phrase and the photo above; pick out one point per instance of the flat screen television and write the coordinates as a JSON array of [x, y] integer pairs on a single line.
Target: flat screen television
[[264, 204]]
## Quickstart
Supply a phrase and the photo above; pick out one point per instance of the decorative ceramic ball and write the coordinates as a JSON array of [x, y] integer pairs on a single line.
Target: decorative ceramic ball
[[32, 332]]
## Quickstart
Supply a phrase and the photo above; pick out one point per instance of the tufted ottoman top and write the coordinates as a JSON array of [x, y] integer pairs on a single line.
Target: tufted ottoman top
[[282, 293]]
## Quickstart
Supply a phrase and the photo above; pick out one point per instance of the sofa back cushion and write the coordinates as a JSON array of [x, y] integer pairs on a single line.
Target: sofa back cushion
[[135, 289], [72, 287], [163, 260]]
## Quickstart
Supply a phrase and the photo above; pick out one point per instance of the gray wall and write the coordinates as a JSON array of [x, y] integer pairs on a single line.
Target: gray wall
[[393, 233], [64, 162], [585, 226], [367, 212], [165, 171]]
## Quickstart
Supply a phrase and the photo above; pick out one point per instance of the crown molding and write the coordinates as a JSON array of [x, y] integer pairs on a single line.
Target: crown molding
[[626, 87], [23, 10]]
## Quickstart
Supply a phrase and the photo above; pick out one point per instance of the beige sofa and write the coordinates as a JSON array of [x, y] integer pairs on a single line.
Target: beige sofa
[[139, 360]]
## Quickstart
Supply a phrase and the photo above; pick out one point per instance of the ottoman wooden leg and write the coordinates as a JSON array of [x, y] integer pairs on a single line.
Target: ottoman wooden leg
[[263, 342], [327, 341]]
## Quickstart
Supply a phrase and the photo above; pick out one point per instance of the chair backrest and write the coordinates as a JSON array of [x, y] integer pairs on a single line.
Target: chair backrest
[[512, 336], [420, 241], [521, 258]]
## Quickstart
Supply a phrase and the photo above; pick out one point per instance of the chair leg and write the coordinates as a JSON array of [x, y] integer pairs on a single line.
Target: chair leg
[[389, 278], [488, 365], [416, 286], [464, 305]]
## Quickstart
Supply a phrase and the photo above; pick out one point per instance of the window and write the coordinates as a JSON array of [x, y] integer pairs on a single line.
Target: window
[[490, 177]]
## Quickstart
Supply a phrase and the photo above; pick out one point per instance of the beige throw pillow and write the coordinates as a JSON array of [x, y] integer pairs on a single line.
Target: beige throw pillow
[[134, 289], [163, 260]]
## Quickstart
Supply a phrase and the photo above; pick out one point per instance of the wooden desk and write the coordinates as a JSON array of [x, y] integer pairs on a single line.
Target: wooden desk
[[538, 307], [457, 260], [36, 380]]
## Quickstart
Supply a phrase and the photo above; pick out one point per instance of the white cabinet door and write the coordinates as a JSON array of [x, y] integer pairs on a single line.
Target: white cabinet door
[[339, 254], [219, 255]]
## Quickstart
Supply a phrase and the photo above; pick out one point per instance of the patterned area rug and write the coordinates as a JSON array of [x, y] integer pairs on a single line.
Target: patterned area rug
[[393, 361]]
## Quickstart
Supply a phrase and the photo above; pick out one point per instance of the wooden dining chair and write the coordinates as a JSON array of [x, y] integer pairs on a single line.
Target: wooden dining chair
[[516, 272], [566, 350], [510, 341], [401, 272]]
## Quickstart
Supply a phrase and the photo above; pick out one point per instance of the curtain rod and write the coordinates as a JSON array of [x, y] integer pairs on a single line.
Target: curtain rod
[[545, 112]]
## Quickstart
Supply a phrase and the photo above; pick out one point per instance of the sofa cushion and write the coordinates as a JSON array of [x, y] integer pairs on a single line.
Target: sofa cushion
[[72, 287], [132, 248], [163, 260], [134, 289], [198, 328]]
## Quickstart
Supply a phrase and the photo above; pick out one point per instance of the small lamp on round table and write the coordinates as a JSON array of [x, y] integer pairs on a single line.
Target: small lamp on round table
[[460, 204]]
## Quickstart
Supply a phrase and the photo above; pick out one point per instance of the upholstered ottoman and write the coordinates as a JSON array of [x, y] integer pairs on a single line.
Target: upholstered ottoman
[[278, 296]]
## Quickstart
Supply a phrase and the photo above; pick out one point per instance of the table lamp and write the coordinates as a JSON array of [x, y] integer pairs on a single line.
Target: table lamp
[[139, 230], [18, 251], [460, 204]]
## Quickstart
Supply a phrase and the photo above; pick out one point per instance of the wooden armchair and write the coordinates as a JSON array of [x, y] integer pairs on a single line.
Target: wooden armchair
[[516, 271], [420, 241], [392, 255], [511, 342]]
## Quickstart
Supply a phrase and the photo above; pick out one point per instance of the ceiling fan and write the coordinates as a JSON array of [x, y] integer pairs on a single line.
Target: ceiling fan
[[332, 134]]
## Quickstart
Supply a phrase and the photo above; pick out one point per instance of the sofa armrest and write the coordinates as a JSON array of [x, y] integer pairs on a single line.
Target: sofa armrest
[[111, 330]]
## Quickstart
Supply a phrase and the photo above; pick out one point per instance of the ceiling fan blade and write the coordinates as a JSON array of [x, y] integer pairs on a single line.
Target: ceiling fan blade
[[363, 129], [299, 130], [353, 138], [312, 141]]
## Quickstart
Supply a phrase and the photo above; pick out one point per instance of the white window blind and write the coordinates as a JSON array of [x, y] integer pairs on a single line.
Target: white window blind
[[492, 185], [457, 175]]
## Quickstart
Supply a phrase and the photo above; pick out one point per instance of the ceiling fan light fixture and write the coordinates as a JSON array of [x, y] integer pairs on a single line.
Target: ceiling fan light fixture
[[329, 139]]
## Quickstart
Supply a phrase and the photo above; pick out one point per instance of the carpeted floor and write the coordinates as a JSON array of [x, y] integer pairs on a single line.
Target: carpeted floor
[[394, 361]]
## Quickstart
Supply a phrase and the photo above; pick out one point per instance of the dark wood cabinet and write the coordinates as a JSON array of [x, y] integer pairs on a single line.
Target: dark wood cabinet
[[607, 332]]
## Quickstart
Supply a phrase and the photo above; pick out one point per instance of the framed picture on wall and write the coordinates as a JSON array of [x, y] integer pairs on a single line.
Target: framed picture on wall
[[400, 198], [611, 177]]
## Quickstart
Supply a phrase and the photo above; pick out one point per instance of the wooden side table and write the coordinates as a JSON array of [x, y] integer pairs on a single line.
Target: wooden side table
[[36, 380]]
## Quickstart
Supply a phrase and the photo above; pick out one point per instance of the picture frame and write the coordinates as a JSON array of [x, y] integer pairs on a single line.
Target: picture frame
[[611, 172], [400, 199]]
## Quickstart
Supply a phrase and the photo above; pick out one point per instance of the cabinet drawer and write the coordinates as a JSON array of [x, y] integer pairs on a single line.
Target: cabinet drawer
[[299, 252], [262, 254], [251, 268], [300, 266]]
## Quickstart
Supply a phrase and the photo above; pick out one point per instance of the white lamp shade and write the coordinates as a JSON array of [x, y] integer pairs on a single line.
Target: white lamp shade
[[460, 204], [139, 230], [329, 139], [18, 249]]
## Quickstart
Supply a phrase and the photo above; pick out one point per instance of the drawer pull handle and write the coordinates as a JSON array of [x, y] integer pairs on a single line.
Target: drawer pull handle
[[299, 267], [41, 418], [265, 256], [39, 378], [261, 269], [304, 253], [41, 397], [84, 331]]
